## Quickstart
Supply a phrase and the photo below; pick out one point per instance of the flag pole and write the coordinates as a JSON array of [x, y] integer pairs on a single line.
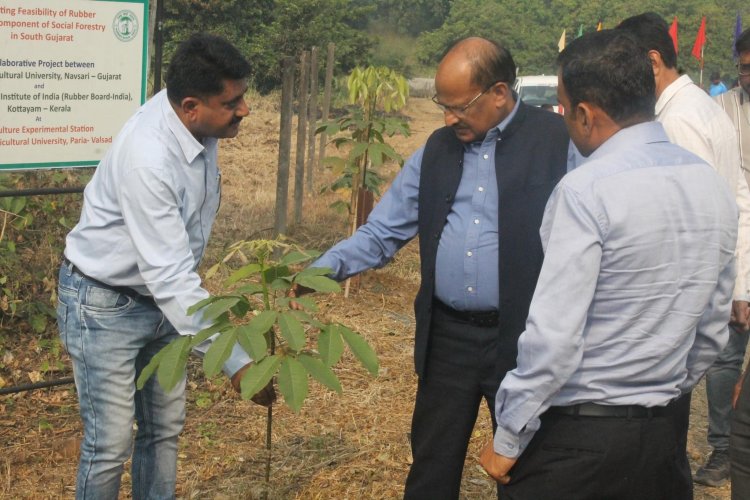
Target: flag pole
[[701, 77]]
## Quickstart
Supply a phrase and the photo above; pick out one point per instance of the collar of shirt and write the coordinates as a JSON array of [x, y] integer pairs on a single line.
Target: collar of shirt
[[189, 145], [494, 132], [671, 91], [640, 133]]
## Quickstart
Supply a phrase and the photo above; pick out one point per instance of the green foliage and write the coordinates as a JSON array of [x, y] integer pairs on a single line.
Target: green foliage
[[32, 234], [259, 315], [266, 31], [375, 90], [532, 28]]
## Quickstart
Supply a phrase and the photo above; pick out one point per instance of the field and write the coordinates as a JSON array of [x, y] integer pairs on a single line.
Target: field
[[338, 447]]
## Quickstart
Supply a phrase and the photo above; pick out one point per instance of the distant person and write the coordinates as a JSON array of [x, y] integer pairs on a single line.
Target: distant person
[[129, 272], [474, 194], [736, 103], [695, 122], [632, 302], [717, 86]]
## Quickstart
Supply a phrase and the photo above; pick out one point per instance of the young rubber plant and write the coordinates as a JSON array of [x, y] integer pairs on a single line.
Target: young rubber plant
[[256, 312]]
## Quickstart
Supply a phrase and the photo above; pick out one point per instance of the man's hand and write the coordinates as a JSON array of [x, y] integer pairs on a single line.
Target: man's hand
[[297, 291], [496, 465], [264, 397], [740, 315]]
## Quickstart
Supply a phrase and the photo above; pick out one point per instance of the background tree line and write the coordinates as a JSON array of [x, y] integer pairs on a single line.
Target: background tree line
[[412, 36]]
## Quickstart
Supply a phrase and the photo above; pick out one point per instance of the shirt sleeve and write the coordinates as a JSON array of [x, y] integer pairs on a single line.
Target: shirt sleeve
[[551, 348], [391, 224], [742, 283], [150, 208]]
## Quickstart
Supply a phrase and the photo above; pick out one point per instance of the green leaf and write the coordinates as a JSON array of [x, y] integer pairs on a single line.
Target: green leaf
[[330, 345], [296, 257], [150, 368], [361, 349], [38, 322], [292, 330], [241, 308], [273, 273], [207, 332], [261, 323], [306, 302], [320, 372], [318, 283], [201, 304], [219, 307], [253, 343], [172, 366], [219, 352], [258, 375], [306, 318], [250, 289], [315, 271], [293, 383], [242, 273]]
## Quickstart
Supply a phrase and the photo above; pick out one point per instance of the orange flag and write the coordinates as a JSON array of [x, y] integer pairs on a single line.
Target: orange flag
[[700, 40], [673, 34]]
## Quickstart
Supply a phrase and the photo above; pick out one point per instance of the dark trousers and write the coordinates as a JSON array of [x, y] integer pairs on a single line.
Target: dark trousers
[[465, 363], [739, 445], [599, 458]]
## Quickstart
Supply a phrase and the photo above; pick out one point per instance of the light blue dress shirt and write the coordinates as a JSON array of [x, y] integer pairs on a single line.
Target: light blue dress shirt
[[466, 276], [635, 291], [147, 215]]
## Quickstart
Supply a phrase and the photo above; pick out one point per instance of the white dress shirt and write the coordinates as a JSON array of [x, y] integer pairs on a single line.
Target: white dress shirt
[[634, 296], [694, 121], [147, 215]]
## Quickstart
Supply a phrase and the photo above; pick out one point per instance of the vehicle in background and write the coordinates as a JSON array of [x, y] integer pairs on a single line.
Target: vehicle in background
[[539, 91]]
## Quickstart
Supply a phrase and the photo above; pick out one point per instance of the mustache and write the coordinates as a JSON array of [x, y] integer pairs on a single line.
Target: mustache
[[236, 120]]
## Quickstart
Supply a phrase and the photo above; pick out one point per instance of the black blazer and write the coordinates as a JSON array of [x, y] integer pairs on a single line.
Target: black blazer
[[530, 158]]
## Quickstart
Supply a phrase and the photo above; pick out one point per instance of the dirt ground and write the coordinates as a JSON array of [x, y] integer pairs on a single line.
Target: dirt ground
[[349, 446]]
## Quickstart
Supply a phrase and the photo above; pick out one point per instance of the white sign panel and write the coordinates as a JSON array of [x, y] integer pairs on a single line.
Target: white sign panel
[[71, 73]]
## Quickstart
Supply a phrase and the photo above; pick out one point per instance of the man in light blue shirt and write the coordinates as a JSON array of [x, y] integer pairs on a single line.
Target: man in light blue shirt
[[474, 194], [632, 302], [130, 268]]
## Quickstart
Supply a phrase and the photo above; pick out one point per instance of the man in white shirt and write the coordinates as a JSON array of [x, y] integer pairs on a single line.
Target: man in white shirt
[[129, 272], [694, 121]]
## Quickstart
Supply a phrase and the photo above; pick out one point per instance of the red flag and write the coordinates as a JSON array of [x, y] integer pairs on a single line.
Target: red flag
[[700, 40], [673, 34]]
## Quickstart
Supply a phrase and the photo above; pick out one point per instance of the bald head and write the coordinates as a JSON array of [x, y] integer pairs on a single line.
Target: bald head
[[473, 86], [485, 60]]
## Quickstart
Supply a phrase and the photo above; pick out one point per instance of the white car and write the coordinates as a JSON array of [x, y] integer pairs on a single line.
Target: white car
[[539, 91]]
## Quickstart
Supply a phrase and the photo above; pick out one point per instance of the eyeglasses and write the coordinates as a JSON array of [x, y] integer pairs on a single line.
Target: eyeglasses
[[742, 69], [461, 110]]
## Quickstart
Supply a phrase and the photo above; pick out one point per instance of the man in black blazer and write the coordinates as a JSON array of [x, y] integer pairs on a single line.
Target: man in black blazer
[[475, 194]]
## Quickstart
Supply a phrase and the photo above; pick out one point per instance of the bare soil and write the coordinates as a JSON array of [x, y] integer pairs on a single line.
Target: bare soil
[[349, 446]]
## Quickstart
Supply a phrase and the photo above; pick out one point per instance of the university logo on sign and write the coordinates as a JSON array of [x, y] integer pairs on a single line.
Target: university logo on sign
[[125, 25]]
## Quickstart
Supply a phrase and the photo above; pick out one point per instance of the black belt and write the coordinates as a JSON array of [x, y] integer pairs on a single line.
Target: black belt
[[484, 319], [623, 411], [125, 290]]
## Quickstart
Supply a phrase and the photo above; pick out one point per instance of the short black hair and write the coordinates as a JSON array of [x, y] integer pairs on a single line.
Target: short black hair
[[743, 42], [611, 70], [200, 65], [651, 30]]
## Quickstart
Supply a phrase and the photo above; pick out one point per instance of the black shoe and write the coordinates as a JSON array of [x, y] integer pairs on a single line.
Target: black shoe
[[715, 471]]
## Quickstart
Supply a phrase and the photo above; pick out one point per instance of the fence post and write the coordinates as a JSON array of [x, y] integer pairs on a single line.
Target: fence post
[[285, 146], [312, 118], [326, 102], [299, 171]]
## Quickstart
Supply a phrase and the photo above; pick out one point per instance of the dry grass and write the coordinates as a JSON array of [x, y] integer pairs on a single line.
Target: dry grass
[[352, 446]]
